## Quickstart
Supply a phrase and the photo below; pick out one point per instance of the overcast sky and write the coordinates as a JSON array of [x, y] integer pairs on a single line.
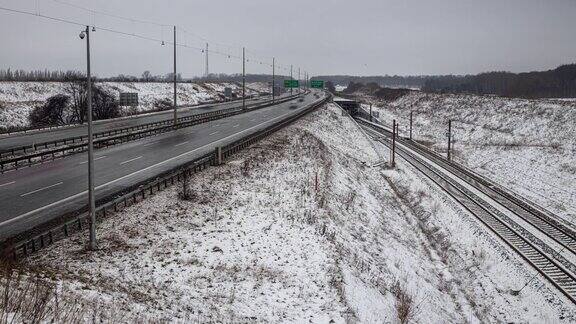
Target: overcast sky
[[359, 37]]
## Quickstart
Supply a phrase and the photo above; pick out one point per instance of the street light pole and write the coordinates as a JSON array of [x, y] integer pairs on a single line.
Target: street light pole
[[91, 199], [207, 69], [175, 103], [273, 79], [243, 78]]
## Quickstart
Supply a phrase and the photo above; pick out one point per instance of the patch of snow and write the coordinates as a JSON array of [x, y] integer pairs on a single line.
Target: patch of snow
[[340, 88]]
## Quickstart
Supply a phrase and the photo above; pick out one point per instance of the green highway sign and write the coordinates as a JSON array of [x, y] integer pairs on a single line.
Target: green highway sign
[[291, 84], [317, 84]]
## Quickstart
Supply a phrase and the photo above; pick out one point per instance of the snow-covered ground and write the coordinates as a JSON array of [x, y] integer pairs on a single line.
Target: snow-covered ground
[[262, 87], [17, 99], [339, 87], [526, 145], [301, 227]]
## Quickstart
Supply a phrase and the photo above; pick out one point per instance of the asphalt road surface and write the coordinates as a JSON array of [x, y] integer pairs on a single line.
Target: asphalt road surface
[[34, 195], [19, 140]]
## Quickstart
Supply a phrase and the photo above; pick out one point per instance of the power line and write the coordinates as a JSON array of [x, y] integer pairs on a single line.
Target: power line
[[154, 23], [115, 31], [111, 15], [134, 34]]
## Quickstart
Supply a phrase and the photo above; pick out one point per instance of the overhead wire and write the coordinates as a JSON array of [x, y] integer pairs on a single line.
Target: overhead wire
[[252, 57], [162, 25]]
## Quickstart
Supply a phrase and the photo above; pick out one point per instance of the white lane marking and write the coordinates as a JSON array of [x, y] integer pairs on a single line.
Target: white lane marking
[[216, 132], [7, 183], [148, 144], [236, 125], [180, 144], [14, 219], [96, 159], [131, 160], [38, 190]]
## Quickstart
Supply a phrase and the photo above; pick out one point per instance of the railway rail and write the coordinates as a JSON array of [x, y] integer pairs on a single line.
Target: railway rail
[[545, 259]]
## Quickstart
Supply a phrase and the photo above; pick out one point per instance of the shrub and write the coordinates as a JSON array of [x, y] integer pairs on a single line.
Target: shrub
[[405, 307], [163, 104], [51, 113], [104, 105], [185, 191]]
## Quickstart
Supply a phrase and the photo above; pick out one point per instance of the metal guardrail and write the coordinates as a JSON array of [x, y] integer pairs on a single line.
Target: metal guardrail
[[59, 148], [129, 196], [32, 130]]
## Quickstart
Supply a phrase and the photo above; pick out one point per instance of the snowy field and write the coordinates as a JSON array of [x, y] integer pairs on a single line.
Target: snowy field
[[17, 99], [526, 145], [301, 227]]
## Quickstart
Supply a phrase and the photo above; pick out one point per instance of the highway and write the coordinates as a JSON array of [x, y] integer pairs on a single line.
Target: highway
[[27, 139], [34, 195]]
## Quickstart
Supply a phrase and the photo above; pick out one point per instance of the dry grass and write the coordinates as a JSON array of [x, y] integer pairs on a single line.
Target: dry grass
[[31, 298], [185, 193], [406, 310]]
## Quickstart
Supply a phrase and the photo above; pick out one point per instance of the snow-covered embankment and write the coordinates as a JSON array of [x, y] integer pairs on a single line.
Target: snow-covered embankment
[[301, 227]]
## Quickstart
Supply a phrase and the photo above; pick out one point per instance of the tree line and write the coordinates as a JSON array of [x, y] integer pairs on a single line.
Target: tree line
[[556, 83], [39, 75], [147, 76], [383, 81], [69, 76]]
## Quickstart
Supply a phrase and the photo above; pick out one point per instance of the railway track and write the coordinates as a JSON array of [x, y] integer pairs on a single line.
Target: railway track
[[544, 258]]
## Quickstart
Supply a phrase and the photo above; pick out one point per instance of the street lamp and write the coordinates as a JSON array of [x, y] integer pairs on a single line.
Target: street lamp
[[91, 202]]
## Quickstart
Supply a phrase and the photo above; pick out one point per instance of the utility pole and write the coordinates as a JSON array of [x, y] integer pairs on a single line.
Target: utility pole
[[243, 78], [207, 72], [410, 125], [393, 159], [449, 139], [273, 79], [291, 78], [299, 89], [370, 112], [175, 103], [91, 199]]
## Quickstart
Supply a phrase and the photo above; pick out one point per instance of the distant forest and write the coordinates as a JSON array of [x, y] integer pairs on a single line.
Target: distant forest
[[66, 76], [392, 81], [557, 83], [21, 75]]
